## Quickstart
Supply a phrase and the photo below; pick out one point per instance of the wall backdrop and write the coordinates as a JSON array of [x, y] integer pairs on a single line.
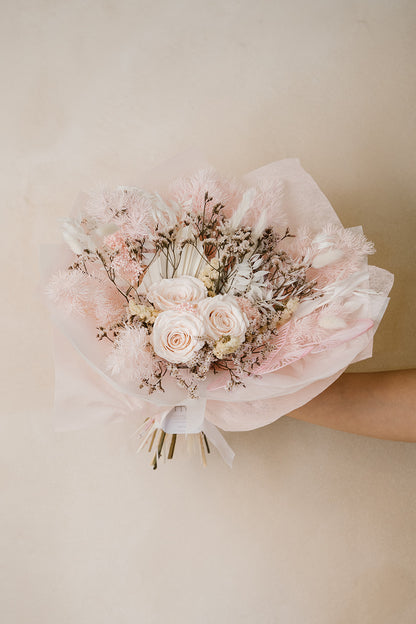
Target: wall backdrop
[[310, 525]]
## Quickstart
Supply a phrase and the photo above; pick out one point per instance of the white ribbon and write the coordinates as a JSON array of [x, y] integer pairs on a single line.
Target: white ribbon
[[185, 418], [189, 417], [217, 439]]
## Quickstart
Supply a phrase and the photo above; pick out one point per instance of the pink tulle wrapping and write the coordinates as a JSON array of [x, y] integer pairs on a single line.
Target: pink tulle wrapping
[[85, 393]]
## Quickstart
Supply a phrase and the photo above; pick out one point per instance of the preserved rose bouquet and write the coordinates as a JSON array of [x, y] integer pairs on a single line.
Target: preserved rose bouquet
[[213, 292]]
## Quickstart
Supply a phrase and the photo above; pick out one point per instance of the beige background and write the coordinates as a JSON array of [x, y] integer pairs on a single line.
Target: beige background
[[311, 526]]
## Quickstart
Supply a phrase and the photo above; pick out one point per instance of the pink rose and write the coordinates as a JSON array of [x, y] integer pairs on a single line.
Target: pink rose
[[170, 294], [176, 335], [223, 317]]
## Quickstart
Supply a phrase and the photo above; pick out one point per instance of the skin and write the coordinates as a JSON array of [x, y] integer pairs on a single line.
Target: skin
[[379, 405]]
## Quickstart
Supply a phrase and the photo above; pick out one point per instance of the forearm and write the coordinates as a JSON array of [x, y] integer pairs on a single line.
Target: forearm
[[381, 405]]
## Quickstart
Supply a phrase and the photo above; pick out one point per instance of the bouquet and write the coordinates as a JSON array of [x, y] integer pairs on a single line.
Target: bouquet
[[210, 302]]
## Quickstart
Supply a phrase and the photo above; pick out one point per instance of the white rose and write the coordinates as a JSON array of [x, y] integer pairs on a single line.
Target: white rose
[[223, 317], [170, 294], [177, 335]]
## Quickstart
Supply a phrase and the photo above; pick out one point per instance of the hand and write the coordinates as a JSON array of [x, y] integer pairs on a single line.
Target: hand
[[380, 405]]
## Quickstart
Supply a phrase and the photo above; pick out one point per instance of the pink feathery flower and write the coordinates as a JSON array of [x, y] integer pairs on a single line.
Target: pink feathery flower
[[105, 205], [86, 295], [351, 239], [130, 207], [344, 253], [268, 206], [139, 222], [300, 245], [131, 358], [109, 305], [115, 241], [126, 267], [334, 253], [191, 191], [72, 291]]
